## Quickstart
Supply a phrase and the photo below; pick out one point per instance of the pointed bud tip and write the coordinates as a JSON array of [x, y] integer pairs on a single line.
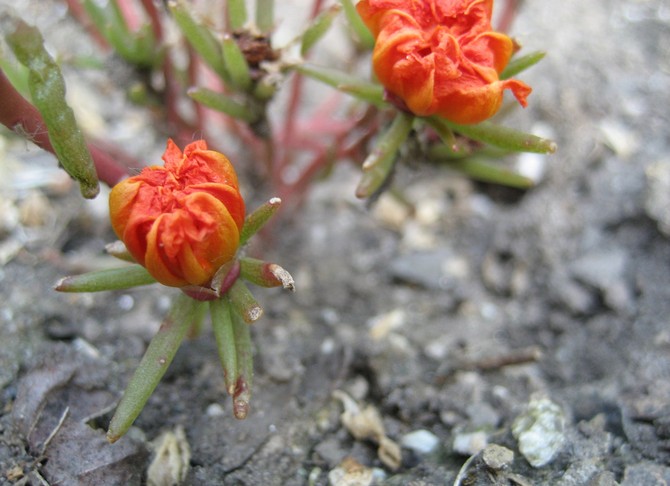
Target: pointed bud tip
[[283, 276], [253, 314], [240, 409], [275, 201], [61, 285]]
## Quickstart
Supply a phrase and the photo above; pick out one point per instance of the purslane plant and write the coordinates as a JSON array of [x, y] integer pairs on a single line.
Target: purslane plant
[[183, 225], [439, 74]]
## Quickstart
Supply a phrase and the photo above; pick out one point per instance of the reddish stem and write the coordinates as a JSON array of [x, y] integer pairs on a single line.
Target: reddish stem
[[78, 12], [508, 14], [20, 116], [155, 18]]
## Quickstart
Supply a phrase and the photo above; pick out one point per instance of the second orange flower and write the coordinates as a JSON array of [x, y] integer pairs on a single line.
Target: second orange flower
[[441, 57], [181, 221]]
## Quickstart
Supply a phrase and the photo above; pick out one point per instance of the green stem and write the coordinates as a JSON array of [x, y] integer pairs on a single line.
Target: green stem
[[153, 365]]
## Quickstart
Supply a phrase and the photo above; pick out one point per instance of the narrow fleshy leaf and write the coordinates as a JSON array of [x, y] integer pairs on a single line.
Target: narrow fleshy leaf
[[521, 63], [244, 302], [258, 218], [111, 279], [265, 274], [237, 13], [245, 366], [318, 28], [377, 166], [197, 324], [118, 249], [481, 171], [222, 323], [500, 136], [265, 15], [153, 365], [200, 37], [47, 90], [236, 65], [361, 31], [136, 47], [365, 90], [222, 103]]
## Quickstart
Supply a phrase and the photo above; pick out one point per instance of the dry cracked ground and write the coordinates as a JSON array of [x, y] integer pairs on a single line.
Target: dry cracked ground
[[466, 335]]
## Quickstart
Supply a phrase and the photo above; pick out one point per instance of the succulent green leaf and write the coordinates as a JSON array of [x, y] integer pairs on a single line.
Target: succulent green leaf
[[265, 15], [237, 13], [236, 65], [378, 164], [521, 63], [244, 302], [256, 220], [222, 323], [110, 279], [222, 103], [361, 31], [245, 360], [47, 90], [200, 37], [318, 28], [500, 136], [365, 90], [484, 172], [154, 364]]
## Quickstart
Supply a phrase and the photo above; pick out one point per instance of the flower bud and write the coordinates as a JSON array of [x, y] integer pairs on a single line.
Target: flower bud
[[181, 221], [441, 57]]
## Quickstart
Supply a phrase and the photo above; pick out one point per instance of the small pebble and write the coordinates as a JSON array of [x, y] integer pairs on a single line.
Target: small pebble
[[420, 441], [539, 431], [497, 457], [470, 443]]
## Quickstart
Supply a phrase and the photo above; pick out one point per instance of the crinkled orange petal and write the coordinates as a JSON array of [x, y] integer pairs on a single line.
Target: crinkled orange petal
[[181, 221], [441, 56]]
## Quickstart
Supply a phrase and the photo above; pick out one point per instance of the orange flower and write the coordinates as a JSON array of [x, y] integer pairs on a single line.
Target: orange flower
[[181, 221], [440, 57]]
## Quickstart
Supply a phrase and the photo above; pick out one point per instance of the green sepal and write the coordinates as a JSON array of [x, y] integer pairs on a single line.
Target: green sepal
[[153, 365], [521, 63], [364, 90], [500, 136], [110, 279], [222, 103], [256, 220], [318, 28], [378, 164]]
